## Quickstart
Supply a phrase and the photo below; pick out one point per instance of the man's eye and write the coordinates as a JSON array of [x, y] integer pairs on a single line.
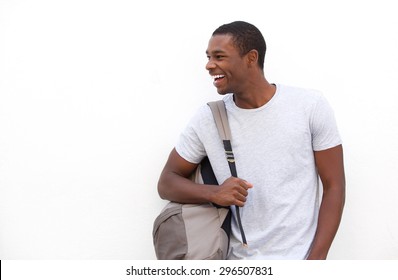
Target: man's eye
[[217, 57]]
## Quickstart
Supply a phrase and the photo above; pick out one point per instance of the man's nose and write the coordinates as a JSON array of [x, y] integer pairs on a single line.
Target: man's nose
[[210, 65]]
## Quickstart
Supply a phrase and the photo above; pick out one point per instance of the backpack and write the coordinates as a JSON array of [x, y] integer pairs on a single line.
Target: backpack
[[198, 231]]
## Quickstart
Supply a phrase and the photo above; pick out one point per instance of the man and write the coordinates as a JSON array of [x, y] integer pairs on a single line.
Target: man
[[283, 138]]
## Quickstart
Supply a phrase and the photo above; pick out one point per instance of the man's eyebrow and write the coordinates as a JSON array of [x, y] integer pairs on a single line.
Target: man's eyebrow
[[215, 52]]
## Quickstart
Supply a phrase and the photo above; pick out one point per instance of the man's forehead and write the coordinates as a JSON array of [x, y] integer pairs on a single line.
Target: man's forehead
[[220, 43]]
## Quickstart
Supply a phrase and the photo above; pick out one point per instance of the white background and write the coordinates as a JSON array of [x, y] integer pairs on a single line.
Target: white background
[[94, 94]]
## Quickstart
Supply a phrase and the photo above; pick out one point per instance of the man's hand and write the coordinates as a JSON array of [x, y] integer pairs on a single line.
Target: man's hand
[[232, 192]]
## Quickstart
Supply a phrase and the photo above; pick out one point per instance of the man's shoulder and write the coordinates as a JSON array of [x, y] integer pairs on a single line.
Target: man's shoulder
[[300, 95], [204, 110], [299, 91], [202, 116]]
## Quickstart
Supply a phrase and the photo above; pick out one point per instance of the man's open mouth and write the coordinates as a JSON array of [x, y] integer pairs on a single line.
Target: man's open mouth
[[217, 79]]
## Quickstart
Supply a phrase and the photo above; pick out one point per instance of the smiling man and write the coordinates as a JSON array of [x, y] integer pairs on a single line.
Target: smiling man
[[284, 139]]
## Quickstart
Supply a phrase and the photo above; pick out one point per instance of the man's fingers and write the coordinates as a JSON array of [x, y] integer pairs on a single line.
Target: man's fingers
[[240, 197], [234, 192], [247, 185]]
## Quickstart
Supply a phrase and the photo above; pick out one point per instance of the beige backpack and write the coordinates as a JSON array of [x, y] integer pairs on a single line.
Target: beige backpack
[[199, 231]]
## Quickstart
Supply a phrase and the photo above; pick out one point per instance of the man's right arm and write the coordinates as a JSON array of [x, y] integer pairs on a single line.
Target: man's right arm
[[174, 185]]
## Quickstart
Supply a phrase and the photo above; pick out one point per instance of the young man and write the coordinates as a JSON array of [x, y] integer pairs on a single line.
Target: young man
[[283, 138]]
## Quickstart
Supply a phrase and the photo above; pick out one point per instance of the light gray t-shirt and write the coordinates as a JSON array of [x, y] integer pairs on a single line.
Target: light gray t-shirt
[[274, 150]]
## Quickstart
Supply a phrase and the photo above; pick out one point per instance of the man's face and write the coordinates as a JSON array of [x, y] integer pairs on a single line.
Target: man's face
[[225, 65]]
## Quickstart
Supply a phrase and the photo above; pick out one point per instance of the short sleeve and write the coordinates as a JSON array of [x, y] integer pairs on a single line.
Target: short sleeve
[[324, 129], [189, 145]]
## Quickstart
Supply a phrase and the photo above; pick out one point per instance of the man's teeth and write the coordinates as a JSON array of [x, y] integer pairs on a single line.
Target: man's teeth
[[218, 77]]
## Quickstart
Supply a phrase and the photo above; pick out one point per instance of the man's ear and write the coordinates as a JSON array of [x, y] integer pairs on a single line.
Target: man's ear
[[252, 58]]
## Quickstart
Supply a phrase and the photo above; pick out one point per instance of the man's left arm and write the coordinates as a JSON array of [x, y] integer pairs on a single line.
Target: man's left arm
[[330, 167]]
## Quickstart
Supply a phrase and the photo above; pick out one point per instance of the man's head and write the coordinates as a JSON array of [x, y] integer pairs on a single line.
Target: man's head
[[246, 37], [235, 57]]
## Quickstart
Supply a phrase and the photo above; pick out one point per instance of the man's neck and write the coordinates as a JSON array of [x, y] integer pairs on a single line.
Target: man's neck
[[255, 96]]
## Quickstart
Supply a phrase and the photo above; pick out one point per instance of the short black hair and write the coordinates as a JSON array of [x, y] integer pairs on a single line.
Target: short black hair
[[246, 37]]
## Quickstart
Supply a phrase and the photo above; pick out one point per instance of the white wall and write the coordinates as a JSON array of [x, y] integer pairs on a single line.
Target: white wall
[[93, 96]]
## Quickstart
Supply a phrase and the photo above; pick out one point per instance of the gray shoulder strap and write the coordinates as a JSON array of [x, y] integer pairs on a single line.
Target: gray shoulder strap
[[220, 118]]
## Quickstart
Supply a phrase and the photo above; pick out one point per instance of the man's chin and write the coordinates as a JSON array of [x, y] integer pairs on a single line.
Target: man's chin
[[222, 92]]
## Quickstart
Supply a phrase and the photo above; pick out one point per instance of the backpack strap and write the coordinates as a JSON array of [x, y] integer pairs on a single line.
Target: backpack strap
[[221, 120]]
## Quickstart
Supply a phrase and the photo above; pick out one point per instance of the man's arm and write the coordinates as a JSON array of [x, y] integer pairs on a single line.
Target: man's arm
[[330, 167], [174, 185]]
